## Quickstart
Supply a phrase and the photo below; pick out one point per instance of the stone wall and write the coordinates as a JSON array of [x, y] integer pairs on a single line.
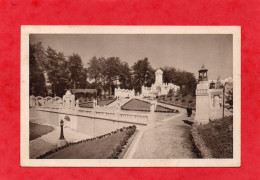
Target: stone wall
[[126, 93], [86, 125]]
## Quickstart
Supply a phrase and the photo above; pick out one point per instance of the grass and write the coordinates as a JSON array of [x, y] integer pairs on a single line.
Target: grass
[[180, 101], [100, 148], [89, 104], [139, 105], [218, 137], [38, 130]]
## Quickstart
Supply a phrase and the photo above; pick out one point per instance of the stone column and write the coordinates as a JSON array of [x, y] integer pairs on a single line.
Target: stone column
[[202, 103]]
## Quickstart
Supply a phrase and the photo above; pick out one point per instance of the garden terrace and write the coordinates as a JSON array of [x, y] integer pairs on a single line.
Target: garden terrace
[[139, 105]]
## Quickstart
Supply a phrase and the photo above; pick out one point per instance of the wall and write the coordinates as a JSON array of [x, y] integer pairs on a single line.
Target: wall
[[82, 124]]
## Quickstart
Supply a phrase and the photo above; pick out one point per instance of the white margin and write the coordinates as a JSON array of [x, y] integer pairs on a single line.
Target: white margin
[[24, 93]]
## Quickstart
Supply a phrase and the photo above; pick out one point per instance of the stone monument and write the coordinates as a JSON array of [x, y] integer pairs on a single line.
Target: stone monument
[[68, 101], [208, 101], [159, 87], [202, 98]]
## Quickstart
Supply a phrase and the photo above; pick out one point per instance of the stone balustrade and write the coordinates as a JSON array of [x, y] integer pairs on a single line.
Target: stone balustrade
[[69, 106]]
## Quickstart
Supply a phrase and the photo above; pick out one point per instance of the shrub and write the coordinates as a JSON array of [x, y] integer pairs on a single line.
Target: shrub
[[190, 101], [183, 100], [177, 99]]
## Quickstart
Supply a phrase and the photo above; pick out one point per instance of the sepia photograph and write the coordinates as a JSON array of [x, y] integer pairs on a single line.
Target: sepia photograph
[[137, 96]]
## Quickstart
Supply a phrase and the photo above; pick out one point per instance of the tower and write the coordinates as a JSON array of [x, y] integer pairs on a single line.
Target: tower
[[202, 98], [159, 77], [203, 74]]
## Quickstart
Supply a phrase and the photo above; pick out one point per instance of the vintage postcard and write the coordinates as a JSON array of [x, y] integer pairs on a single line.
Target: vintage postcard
[[130, 96]]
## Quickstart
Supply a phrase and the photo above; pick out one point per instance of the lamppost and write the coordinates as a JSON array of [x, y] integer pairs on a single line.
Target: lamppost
[[61, 130], [224, 99]]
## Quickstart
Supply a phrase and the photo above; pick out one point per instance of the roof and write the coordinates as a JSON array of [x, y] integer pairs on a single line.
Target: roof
[[203, 68]]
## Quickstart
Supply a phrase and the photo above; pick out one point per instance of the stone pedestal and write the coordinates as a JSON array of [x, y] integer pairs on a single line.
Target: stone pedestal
[[61, 142], [202, 103]]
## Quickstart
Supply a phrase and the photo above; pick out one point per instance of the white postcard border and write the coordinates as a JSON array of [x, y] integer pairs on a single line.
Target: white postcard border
[[24, 93]]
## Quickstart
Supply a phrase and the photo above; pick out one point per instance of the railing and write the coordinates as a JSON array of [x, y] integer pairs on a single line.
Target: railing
[[114, 116]]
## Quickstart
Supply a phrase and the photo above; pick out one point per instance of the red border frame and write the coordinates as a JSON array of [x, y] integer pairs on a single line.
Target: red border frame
[[15, 13]]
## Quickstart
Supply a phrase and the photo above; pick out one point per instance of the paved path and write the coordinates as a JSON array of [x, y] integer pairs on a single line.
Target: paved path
[[167, 139]]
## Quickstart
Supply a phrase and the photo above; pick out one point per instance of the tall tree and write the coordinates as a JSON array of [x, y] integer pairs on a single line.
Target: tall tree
[[96, 72], [57, 71], [77, 72], [111, 71], [125, 76], [143, 74], [169, 74], [36, 72], [95, 68]]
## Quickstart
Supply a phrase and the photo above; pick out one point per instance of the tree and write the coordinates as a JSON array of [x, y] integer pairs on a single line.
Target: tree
[[36, 72], [143, 74], [229, 98], [78, 74], [169, 74], [111, 71], [57, 71], [219, 84], [125, 76], [95, 68]]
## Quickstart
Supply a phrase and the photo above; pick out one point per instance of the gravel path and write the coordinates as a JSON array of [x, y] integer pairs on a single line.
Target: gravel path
[[166, 140]]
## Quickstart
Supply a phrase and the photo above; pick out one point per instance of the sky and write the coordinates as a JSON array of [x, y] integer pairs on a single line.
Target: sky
[[183, 51]]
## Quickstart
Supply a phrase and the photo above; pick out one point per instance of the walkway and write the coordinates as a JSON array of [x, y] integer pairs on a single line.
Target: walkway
[[167, 139]]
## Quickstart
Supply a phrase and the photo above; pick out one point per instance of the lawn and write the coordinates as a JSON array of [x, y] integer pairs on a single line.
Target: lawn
[[38, 130], [218, 137], [180, 101], [100, 148], [139, 105], [89, 104]]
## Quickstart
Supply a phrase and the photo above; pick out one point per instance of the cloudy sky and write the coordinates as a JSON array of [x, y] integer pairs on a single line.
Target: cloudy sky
[[185, 52]]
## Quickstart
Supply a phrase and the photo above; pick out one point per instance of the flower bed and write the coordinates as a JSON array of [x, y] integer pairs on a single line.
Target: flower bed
[[178, 101], [102, 147]]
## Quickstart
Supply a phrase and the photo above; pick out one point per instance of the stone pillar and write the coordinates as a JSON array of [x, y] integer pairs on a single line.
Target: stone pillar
[[32, 101], [202, 103]]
